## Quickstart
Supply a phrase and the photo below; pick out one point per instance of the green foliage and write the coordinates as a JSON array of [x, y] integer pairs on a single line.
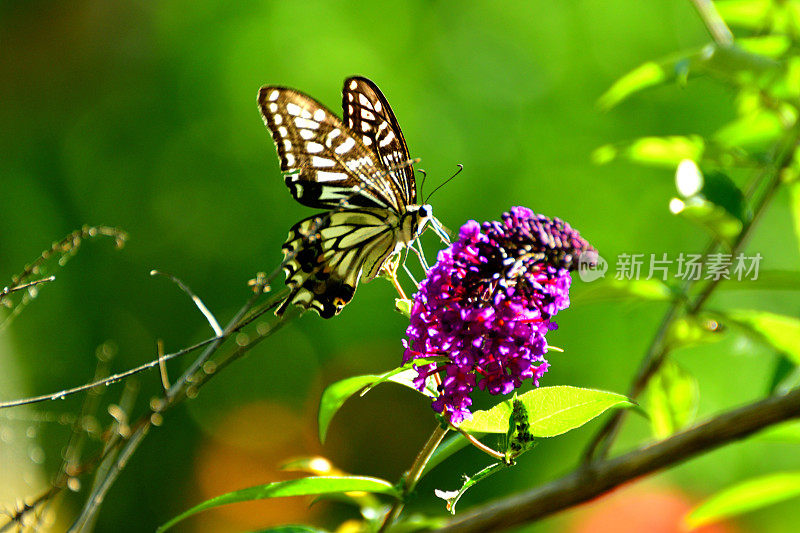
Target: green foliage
[[296, 487], [451, 497], [551, 410], [612, 289], [337, 393], [693, 330], [745, 497], [779, 331], [672, 399]]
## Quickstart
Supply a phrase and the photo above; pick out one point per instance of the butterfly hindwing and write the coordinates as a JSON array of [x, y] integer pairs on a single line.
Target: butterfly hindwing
[[325, 256], [367, 113], [327, 165]]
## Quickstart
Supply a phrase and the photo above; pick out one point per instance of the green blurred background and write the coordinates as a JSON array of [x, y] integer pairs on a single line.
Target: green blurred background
[[143, 115]]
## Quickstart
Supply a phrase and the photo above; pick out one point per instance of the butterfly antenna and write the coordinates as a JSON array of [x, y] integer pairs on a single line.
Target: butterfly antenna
[[424, 177], [460, 168]]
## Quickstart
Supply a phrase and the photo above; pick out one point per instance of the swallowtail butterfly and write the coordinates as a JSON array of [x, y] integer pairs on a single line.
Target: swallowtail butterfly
[[357, 169]]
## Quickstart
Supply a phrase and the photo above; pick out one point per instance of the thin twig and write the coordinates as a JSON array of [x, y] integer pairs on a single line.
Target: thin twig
[[212, 320], [481, 446], [118, 377], [162, 365], [714, 24], [174, 395], [597, 478], [9, 290], [412, 476]]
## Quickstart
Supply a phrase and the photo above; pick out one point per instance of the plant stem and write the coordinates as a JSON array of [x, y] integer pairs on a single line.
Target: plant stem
[[658, 351], [412, 476], [599, 477], [714, 24]]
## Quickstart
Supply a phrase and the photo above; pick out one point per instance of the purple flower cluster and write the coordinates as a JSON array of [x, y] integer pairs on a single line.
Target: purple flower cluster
[[488, 303]]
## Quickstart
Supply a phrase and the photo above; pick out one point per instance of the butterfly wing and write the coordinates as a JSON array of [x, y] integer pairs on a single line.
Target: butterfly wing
[[368, 114], [328, 167], [326, 255]]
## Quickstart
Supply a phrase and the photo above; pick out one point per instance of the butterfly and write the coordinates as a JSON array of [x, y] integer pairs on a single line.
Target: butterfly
[[357, 169]]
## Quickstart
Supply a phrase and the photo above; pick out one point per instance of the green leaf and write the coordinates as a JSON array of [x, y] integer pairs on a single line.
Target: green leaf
[[656, 151], [750, 14], [731, 64], [719, 189], [551, 410], [336, 394], [772, 46], [647, 75], [404, 375], [779, 331], [754, 130], [785, 432], [610, 289], [768, 280], [744, 497], [713, 218], [672, 399], [692, 330], [334, 397], [297, 487], [452, 497], [403, 306]]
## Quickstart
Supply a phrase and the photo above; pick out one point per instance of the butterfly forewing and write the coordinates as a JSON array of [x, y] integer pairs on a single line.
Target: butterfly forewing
[[327, 165], [368, 114]]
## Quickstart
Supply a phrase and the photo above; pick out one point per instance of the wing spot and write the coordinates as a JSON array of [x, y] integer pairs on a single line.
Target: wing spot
[[277, 119], [363, 100], [386, 140], [349, 97], [323, 175], [314, 148], [322, 161], [306, 114], [307, 134], [287, 144], [366, 126], [353, 85], [345, 146], [319, 115], [293, 109], [367, 140], [367, 115], [378, 107], [273, 95], [283, 131], [273, 107], [305, 123], [290, 161]]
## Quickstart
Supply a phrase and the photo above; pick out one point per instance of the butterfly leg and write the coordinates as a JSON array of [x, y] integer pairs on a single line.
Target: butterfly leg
[[421, 254], [440, 230], [389, 271], [410, 275]]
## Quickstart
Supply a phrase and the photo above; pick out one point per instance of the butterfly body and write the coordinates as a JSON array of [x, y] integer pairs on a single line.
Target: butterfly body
[[358, 170]]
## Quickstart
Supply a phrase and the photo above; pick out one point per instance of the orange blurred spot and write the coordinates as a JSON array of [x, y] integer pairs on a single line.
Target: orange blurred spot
[[635, 509], [247, 449]]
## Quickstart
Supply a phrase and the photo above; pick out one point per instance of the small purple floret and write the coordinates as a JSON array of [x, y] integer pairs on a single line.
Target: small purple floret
[[488, 303]]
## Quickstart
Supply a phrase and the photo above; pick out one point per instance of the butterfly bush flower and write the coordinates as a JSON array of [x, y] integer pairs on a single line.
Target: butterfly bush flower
[[488, 303]]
